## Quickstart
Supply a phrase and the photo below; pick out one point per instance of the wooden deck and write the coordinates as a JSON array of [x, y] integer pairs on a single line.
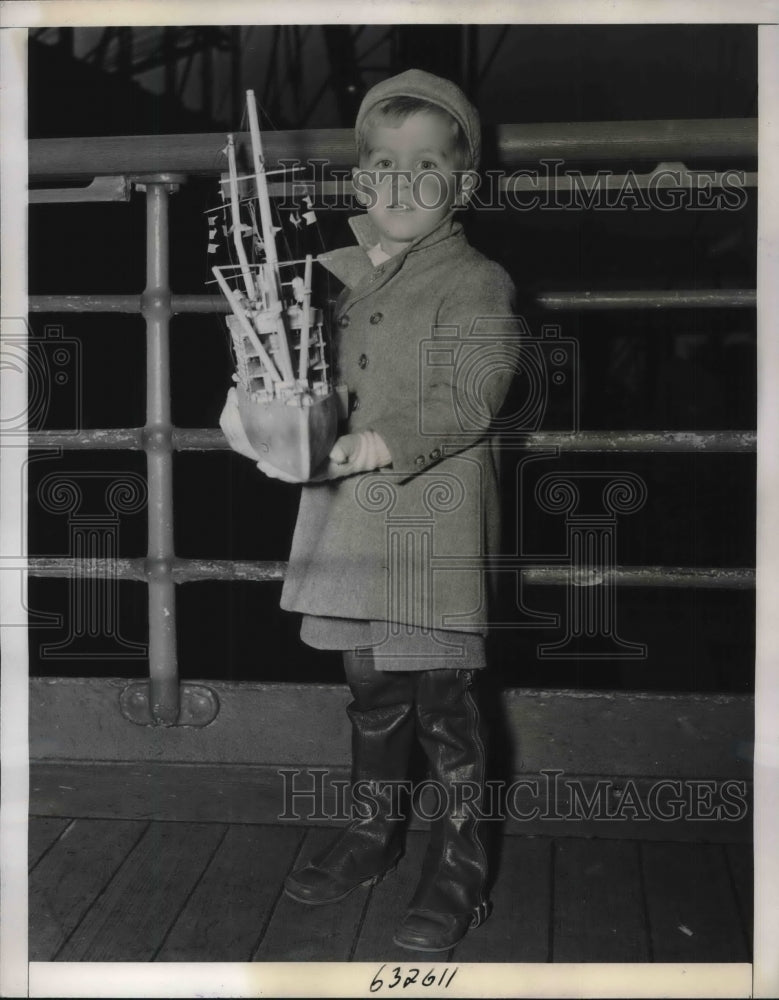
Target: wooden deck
[[165, 844], [140, 891]]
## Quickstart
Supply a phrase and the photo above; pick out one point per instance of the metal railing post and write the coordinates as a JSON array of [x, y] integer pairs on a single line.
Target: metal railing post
[[164, 701]]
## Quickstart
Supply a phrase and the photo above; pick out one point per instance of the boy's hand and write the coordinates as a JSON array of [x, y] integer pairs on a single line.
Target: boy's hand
[[273, 473], [232, 428], [351, 453], [361, 452]]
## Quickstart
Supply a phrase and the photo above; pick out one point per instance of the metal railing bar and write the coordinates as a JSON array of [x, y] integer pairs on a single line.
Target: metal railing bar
[[93, 569], [199, 439], [708, 298], [732, 138], [115, 188], [265, 571], [665, 176], [212, 439], [123, 304], [193, 570], [677, 139], [98, 439], [660, 442], [140, 570], [708, 577]]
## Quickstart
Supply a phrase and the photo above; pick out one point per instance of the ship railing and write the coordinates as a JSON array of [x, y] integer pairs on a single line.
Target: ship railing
[[109, 169]]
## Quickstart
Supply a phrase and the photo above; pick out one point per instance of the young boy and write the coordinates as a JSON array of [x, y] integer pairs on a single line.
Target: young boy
[[387, 560]]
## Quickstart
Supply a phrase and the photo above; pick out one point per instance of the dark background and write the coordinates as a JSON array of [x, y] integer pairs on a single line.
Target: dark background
[[642, 369]]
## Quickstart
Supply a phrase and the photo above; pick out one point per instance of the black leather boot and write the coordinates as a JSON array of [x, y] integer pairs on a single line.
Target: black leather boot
[[451, 896], [382, 717]]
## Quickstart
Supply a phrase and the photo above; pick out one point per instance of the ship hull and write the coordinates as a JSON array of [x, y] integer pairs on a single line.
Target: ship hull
[[293, 436]]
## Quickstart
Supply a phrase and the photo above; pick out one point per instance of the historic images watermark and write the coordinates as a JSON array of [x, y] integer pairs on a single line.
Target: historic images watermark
[[315, 794], [549, 186], [431, 546], [93, 504], [51, 367]]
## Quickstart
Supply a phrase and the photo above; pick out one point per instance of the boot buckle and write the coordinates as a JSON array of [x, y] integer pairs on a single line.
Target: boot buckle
[[480, 913]]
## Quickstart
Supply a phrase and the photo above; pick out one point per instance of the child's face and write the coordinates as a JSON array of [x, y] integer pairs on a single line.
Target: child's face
[[406, 177]]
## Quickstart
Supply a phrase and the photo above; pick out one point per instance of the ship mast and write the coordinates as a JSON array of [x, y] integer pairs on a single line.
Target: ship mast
[[268, 236], [267, 320], [289, 410], [271, 269]]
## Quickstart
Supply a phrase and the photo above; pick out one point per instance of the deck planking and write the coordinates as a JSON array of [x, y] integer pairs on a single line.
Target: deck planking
[[69, 878], [517, 930], [692, 908], [387, 904], [41, 834], [130, 919], [598, 913], [227, 913], [298, 932], [129, 890], [740, 861], [214, 793]]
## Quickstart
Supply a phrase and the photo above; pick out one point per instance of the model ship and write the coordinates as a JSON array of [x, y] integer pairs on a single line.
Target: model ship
[[288, 406]]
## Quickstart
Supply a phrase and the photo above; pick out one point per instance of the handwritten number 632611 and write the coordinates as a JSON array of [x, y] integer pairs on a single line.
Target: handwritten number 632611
[[432, 978]]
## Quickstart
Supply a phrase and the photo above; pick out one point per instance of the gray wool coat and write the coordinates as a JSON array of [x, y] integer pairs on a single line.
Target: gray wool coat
[[427, 344]]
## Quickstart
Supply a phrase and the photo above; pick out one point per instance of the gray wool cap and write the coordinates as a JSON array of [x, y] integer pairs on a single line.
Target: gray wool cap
[[427, 87]]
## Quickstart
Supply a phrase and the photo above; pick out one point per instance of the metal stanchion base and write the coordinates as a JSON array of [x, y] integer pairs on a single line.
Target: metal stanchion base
[[199, 705]]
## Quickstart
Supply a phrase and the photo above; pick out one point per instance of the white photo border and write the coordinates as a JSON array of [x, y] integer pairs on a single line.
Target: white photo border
[[17, 978]]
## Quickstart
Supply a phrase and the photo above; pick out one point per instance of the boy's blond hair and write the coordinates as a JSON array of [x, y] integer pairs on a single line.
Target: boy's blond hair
[[438, 94], [397, 109]]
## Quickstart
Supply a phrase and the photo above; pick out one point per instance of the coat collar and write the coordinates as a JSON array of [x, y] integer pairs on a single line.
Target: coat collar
[[351, 264]]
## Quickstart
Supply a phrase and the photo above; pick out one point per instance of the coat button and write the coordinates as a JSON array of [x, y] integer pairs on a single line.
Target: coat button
[[419, 461], [363, 361], [435, 454], [343, 321], [355, 404], [377, 317]]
